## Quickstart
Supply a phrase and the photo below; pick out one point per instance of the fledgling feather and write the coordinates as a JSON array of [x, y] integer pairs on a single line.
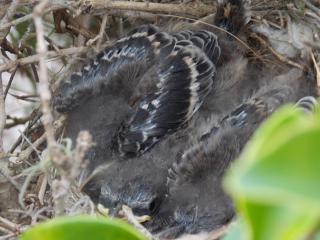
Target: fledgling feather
[[140, 181], [196, 201], [143, 87]]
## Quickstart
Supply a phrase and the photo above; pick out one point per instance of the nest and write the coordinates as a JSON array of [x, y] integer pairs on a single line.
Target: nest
[[39, 171]]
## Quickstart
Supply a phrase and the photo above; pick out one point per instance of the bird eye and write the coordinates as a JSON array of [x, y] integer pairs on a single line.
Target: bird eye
[[154, 205]]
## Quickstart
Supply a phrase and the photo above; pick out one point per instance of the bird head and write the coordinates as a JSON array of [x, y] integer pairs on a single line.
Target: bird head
[[136, 183], [192, 207]]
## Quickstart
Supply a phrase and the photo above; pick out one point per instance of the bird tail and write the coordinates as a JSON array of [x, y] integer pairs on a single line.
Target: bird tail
[[232, 15]]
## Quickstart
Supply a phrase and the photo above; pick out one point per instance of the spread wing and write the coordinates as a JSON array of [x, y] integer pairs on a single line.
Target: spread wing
[[205, 40], [185, 78], [142, 47]]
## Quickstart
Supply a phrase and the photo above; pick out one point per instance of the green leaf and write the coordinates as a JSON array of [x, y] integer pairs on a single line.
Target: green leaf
[[277, 221], [82, 228], [278, 128], [275, 182], [289, 173]]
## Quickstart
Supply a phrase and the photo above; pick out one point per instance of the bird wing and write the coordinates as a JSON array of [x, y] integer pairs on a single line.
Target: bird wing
[[185, 78], [225, 141], [216, 148], [143, 46], [205, 40]]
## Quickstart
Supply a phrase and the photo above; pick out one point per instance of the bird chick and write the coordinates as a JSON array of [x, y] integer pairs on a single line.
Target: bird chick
[[139, 182], [142, 88], [196, 201]]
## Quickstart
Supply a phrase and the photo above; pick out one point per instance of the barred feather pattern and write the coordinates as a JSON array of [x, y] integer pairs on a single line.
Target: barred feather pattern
[[185, 79], [205, 40], [144, 46], [248, 117], [185, 64]]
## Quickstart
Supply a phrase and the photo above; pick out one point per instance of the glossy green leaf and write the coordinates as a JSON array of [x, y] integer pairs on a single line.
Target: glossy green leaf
[[82, 228], [287, 222], [289, 173], [278, 128], [275, 182]]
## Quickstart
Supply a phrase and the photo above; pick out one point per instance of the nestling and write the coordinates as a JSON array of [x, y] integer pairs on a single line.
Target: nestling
[[196, 201], [139, 182]]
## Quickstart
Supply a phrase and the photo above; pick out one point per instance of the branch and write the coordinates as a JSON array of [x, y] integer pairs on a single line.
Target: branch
[[44, 90], [317, 70], [17, 121], [35, 58], [10, 11], [28, 17], [199, 10], [70, 167], [9, 83], [276, 54], [2, 115]]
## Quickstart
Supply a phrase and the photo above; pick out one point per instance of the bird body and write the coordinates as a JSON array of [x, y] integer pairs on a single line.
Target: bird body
[[139, 181], [154, 100], [196, 201], [137, 91], [145, 94]]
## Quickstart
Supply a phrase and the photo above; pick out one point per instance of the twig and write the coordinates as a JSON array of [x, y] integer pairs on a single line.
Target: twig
[[27, 98], [31, 145], [25, 154], [276, 54], [8, 16], [84, 203], [312, 7], [102, 31], [10, 82], [70, 168], [43, 88], [8, 236], [99, 37], [43, 186], [36, 116], [35, 58], [200, 10], [28, 17], [2, 115], [7, 46], [121, 26], [32, 212], [317, 70], [71, 24], [25, 185], [84, 142], [33, 67], [132, 14], [17, 121], [11, 226], [10, 180]]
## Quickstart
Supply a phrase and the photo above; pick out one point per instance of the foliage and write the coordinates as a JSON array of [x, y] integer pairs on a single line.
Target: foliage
[[82, 228], [275, 182]]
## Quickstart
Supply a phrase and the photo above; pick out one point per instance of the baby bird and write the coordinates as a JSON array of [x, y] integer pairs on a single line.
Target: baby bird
[[147, 85], [196, 201], [139, 181], [175, 76]]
